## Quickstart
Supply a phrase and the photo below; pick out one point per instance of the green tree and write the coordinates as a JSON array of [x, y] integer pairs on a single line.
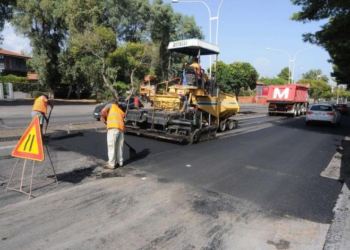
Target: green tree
[[333, 36], [166, 26], [44, 25], [6, 11], [285, 74], [237, 76], [272, 81], [136, 59], [315, 74], [318, 88], [99, 42], [81, 70]]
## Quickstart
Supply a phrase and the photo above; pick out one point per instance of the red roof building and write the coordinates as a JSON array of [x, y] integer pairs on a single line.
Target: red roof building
[[33, 77], [12, 63]]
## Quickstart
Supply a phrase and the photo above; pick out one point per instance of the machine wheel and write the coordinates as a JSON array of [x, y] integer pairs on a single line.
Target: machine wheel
[[298, 111], [230, 125], [222, 126]]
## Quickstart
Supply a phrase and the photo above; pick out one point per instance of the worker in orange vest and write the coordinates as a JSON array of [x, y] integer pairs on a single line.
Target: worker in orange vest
[[197, 67], [40, 109], [113, 116]]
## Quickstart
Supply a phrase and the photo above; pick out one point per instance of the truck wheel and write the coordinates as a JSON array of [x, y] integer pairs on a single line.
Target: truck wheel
[[222, 126], [295, 113], [230, 125]]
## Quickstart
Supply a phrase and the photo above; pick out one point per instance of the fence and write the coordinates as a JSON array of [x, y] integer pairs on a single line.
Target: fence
[[6, 91], [252, 100]]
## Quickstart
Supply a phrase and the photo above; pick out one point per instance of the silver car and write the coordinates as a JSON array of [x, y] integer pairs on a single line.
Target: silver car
[[327, 113]]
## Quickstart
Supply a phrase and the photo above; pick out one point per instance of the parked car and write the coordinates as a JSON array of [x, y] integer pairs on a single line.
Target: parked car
[[327, 113], [343, 108], [123, 103]]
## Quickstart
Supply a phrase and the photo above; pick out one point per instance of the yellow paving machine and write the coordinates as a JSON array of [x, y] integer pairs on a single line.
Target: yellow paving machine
[[187, 108]]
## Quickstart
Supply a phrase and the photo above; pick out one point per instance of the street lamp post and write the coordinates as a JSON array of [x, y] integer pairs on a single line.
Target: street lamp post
[[210, 19], [291, 77], [295, 58], [289, 60]]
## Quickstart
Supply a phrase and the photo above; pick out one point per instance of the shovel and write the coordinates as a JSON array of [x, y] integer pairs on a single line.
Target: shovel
[[47, 121], [132, 151]]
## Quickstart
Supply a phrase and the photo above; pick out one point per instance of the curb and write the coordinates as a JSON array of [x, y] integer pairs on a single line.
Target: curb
[[335, 236], [55, 134]]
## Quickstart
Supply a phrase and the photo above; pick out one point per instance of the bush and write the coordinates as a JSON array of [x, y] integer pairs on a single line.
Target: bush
[[22, 84], [35, 94]]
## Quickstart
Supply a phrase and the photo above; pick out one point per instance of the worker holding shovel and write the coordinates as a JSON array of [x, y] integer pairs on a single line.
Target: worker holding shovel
[[113, 116], [40, 109]]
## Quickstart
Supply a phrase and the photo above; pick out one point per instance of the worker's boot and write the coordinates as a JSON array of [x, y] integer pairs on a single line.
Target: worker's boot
[[108, 166]]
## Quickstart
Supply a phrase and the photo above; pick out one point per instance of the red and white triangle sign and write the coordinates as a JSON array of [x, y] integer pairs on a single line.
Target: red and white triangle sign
[[30, 146]]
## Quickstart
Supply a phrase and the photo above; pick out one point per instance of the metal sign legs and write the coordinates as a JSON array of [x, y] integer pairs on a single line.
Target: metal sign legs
[[31, 178]]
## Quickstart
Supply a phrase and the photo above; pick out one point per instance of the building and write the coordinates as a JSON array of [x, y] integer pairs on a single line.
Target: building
[[12, 63], [33, 78]]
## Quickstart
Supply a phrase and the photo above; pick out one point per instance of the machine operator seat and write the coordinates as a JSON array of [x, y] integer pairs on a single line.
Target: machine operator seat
[[191, 76]]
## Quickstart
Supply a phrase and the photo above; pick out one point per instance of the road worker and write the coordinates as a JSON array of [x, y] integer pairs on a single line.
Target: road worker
[[187, 63], [40, 109], [197, 67], [113, 116]]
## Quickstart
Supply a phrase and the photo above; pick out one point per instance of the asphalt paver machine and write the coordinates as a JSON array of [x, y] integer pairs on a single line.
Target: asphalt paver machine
[[187, 108]]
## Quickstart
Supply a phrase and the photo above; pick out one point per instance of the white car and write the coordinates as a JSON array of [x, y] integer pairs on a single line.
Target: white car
[[327, 113]]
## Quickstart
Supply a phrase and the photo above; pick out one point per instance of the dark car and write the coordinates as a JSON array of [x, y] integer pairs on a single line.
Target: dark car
[[343, 108], [123, 103]]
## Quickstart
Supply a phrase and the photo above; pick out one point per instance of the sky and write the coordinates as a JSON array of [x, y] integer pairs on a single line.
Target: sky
[[246, 29]]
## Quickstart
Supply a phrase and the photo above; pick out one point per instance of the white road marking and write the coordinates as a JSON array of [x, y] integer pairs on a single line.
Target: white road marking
[[7, 147], [333, 170]]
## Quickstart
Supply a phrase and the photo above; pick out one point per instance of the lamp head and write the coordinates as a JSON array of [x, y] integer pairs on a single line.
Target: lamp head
[[174, 1]]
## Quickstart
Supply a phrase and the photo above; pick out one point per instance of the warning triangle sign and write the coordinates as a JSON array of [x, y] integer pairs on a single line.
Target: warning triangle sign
[[30, 146]]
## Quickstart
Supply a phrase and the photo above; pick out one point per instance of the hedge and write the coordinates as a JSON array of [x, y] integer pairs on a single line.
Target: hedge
[[22, 84]]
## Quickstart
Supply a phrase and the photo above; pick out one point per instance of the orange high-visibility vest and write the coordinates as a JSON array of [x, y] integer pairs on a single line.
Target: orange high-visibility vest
[[40, 105], [115, 118]]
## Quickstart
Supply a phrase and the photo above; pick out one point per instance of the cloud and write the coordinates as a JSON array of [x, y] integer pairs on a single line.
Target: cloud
[[13, 42]]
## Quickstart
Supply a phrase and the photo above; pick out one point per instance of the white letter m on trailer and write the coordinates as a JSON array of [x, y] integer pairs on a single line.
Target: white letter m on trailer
[[283, 95]]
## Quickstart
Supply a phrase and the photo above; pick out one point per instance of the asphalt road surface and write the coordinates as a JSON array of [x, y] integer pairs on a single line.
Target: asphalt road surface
[[277, 166], [258, 186]]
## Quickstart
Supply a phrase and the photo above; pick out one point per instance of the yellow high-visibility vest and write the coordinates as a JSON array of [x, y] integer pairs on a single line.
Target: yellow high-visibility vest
[[115, 118]]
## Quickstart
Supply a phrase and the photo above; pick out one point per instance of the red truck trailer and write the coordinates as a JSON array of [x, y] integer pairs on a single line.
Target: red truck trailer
[[288, 99]]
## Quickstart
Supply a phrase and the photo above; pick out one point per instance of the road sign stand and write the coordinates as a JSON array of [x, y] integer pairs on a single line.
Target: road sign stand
[[30, 146], [31, 178]]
